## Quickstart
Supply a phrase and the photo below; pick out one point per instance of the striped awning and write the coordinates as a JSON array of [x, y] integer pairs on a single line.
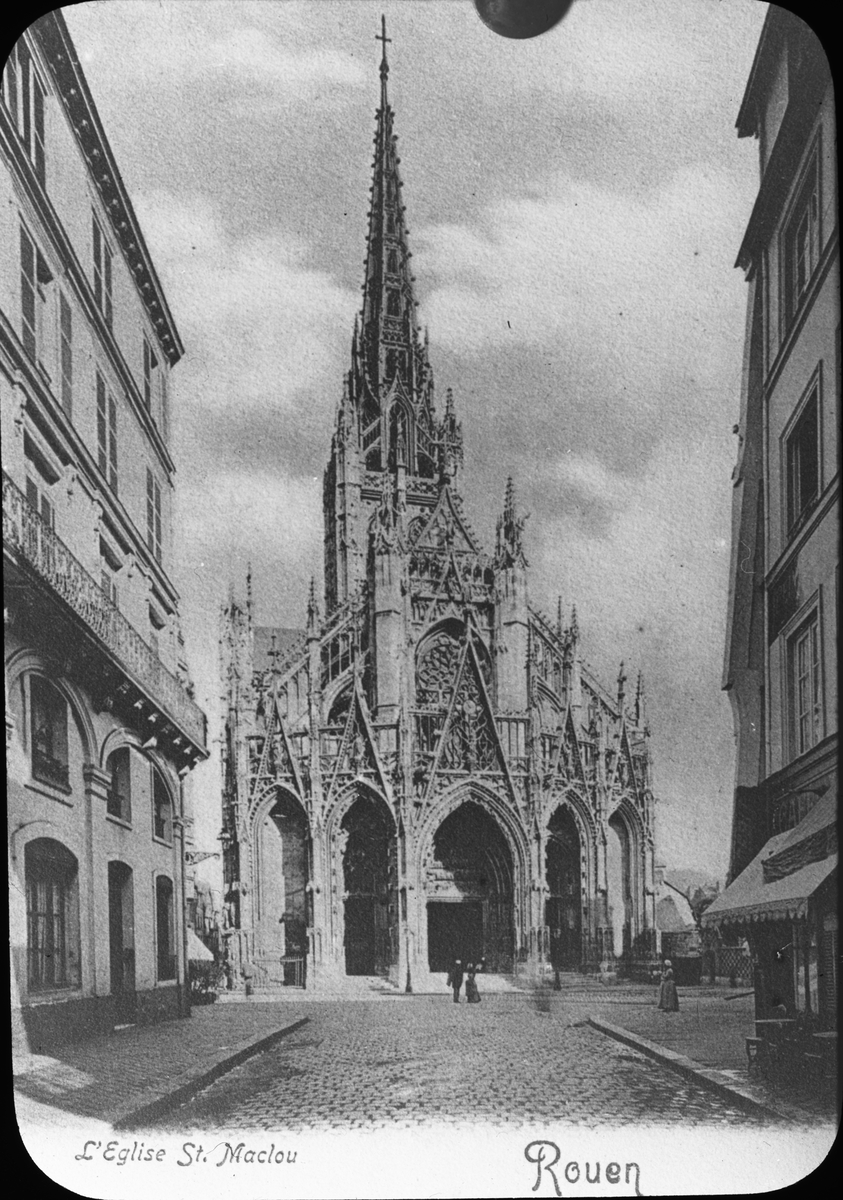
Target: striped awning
[[779, 882]]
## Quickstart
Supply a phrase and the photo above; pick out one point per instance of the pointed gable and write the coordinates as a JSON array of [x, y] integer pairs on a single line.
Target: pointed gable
[[568, 765], [469, 740], [446, 527], [358, 753]]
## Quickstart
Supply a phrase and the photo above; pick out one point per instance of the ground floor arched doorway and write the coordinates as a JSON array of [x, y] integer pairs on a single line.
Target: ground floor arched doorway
[[370, 909], [619, 887], [281, 899], [469, 886], [563, 906]]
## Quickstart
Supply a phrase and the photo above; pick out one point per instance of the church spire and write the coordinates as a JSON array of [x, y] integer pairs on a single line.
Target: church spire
[[389, 337]]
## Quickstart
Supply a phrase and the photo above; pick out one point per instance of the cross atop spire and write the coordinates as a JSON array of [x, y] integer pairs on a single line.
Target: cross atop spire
[[381, 37]]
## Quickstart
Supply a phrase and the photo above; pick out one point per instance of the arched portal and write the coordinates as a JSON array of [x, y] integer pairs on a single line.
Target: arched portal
[[369, 877], [619, 886], [470, 892], [563, 907], [281, 892]]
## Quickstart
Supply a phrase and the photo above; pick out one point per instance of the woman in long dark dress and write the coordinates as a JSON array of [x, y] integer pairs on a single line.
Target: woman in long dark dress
[[668, 996], [472, 995]]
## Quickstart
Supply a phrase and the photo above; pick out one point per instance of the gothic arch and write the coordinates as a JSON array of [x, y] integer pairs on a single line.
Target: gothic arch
[[265, 799], [451, 626], [470, 791], [346, 797]]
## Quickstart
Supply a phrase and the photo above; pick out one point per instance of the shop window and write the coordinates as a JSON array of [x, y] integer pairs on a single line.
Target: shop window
[[48, 713], [52, 917], [119, 767], [165, 929]]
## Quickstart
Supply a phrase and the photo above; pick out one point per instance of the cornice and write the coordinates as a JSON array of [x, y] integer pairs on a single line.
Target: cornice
[[53, 38]]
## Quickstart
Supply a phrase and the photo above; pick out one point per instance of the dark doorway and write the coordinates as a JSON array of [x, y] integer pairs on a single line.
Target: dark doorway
[[369, 872], [121, 939], [472, 873], [454, 931], [563, 907]]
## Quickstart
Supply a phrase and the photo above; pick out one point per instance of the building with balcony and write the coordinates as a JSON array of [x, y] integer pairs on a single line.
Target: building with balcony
[[781, 651], [429, 770], [101, 726]]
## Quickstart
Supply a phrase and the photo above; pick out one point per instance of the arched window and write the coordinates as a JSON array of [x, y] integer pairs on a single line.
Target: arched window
[[48, 725], [119, 803], [392, 262], [52, 915], [162, 808], [165, 929], [393, 303]]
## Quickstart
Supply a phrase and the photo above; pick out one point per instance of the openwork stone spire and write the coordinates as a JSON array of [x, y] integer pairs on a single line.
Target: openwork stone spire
[[389, 339]]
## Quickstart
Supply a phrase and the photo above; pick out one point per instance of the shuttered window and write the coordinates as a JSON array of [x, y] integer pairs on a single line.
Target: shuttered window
[[153, 515], [107, 434], [66, 353]]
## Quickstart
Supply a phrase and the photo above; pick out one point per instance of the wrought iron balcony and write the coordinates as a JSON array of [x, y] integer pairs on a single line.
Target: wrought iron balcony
[[27, 537]]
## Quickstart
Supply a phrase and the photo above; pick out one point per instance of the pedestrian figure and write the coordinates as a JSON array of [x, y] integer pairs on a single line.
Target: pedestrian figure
[[455, 978], [668, 996], [472, 995]]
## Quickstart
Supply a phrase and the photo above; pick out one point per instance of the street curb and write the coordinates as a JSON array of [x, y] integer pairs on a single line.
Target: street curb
[[715, 1081], [154, 1109]]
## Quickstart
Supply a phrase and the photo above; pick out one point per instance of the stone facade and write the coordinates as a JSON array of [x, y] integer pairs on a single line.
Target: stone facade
[[429, 770], [101, 726]]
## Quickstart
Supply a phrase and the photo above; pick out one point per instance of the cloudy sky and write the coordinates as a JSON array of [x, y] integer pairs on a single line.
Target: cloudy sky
[[575, 204]]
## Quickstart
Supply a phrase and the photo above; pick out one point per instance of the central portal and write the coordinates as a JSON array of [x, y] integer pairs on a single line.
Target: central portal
[[470, 893]]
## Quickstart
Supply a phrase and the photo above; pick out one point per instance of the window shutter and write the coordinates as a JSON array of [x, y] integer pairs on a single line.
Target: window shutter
[[109, 311], [112, 440], [38, 158], [97, 263], [157, 521], [102, 429], [66, 332], [27, 293], [150, 512]]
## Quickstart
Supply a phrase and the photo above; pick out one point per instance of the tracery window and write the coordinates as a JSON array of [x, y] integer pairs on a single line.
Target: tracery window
[[436, 670]]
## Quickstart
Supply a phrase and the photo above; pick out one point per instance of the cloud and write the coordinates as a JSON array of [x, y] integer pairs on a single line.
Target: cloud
[[260, 325], [637, 286], [222, 46]]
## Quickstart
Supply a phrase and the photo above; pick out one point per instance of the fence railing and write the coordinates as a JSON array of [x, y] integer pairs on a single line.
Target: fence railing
[[26, 533]]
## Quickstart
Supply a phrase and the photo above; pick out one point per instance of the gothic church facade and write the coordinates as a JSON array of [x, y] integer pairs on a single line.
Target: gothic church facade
[[428, 770]]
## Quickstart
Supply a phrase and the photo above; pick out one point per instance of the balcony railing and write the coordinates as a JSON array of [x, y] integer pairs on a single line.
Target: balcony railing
[[25, 533]]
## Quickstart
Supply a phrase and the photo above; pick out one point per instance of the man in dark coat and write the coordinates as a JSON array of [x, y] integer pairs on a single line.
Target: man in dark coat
[[455, 979]]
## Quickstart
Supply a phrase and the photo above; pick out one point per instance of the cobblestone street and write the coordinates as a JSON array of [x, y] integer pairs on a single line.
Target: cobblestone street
[[422, 1059]]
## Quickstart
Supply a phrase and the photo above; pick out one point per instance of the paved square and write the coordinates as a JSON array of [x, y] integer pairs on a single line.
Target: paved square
[[422, 1059]]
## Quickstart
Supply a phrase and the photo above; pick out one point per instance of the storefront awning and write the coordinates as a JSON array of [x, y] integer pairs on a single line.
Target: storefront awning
[[197, 951], [780, 881]]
